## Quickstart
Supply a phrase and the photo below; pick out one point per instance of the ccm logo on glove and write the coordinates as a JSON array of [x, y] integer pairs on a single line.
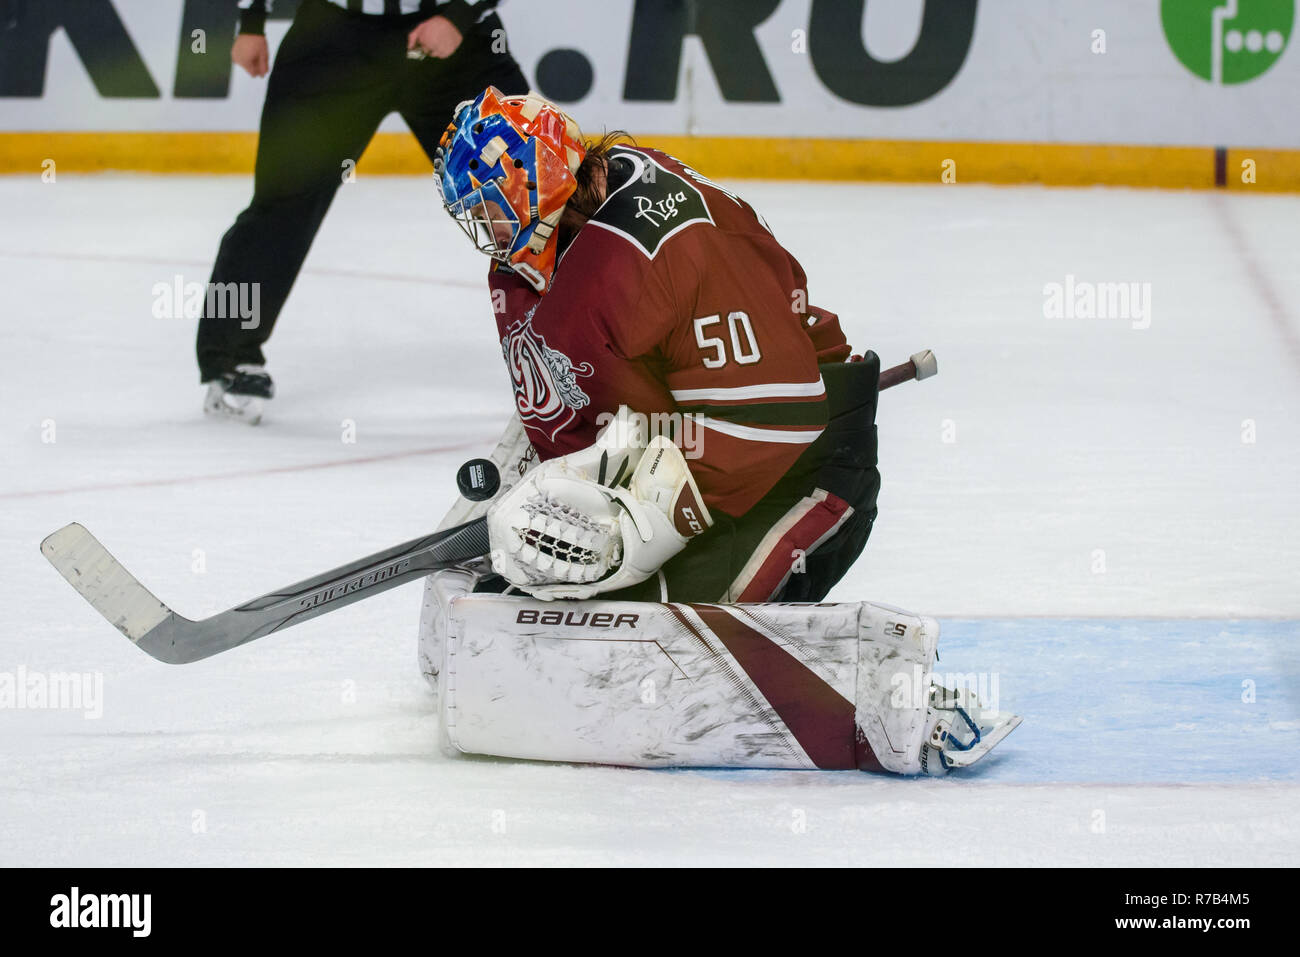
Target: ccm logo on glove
[[686, 513]]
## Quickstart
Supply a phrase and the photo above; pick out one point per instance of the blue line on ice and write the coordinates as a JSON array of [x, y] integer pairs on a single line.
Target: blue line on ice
[[1134, 701]]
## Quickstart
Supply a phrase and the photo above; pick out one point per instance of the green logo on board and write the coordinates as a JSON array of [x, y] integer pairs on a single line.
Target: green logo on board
[[1227, 41]]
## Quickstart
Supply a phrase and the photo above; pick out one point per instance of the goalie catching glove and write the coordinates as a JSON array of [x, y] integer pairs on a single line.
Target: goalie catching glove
[[570, 529]]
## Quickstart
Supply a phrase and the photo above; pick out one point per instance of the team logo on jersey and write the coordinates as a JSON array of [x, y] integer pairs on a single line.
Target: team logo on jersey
[[547, 394], [652, 205]]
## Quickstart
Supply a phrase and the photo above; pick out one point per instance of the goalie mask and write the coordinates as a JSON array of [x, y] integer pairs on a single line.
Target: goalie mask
[[505, 168]]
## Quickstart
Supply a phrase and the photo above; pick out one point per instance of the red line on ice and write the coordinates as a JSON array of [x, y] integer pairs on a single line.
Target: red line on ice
[[313, 271], [1276, 308], [248, 473]]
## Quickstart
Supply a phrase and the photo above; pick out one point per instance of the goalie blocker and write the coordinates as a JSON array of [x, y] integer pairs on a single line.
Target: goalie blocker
[[647, 684]]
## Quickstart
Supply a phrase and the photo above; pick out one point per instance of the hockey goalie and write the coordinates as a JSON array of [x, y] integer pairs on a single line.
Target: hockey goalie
[[691, 468]]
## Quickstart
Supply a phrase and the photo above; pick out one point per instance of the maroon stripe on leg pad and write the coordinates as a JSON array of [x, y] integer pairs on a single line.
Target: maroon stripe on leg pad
[[818, 716]]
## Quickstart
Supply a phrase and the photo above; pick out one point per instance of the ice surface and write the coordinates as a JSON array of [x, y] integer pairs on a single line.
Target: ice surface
[[1161, 694]]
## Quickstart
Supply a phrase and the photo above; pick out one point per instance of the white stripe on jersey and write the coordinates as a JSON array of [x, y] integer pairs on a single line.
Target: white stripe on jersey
[[768, 390], [759, 435], [367, 6], [377, 6]]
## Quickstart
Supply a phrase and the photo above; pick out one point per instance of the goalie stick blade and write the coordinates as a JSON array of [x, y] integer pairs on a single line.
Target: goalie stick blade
[[100, 579], [166, 636]]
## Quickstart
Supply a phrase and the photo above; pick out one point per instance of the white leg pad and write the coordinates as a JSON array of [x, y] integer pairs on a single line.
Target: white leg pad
[[439, 589], [672, 685]]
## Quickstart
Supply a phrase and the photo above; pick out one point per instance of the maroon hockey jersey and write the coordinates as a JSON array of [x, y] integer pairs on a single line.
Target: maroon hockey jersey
[[676, 300]]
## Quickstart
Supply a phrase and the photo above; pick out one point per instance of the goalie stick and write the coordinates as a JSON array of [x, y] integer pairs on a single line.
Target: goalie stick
[[156, 629], [175, 640], [920, 366]]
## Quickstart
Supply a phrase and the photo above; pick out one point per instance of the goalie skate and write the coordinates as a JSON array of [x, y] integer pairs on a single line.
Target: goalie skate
[[963, 731], [240, 395]]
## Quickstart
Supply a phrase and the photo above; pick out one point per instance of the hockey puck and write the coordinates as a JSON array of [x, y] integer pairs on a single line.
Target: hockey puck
[[478, 480]]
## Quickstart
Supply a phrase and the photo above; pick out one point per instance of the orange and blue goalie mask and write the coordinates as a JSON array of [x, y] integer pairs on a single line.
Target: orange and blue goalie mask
[[505, 169]]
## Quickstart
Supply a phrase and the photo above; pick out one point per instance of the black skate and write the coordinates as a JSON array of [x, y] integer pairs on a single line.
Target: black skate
[[240, 395]]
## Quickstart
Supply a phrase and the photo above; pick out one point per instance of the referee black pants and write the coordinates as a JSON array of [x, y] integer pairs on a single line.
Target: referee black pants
[[336, 76]]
